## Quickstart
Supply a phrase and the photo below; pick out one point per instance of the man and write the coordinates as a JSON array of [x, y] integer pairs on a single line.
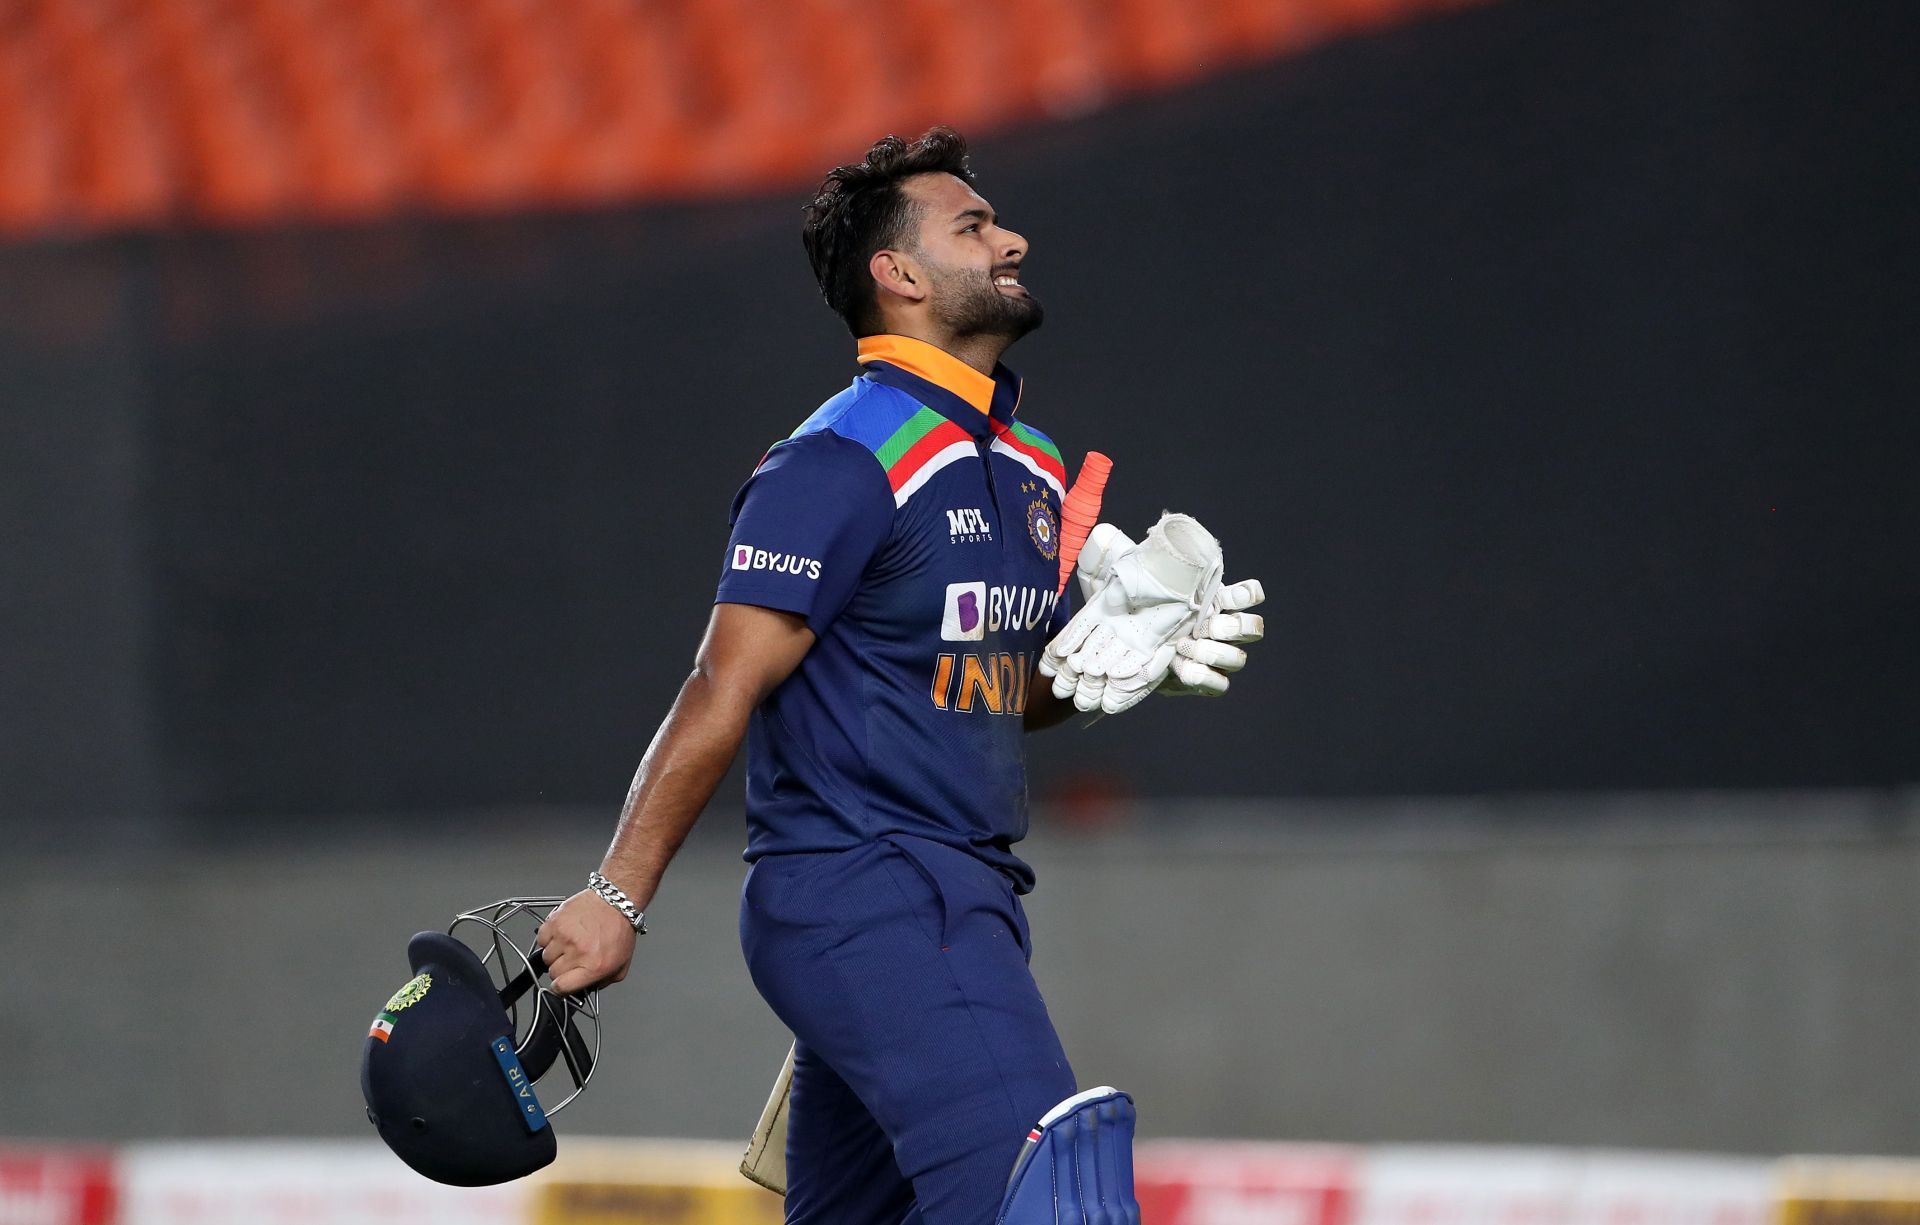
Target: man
[[887, 591]]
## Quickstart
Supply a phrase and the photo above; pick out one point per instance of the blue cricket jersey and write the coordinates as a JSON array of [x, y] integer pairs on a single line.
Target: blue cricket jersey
[[915, 524]]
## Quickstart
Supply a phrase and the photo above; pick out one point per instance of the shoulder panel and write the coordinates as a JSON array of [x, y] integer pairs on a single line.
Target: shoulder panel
[[908, 440]]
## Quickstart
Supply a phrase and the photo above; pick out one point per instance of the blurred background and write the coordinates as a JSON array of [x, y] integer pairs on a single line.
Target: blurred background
[[375, 376]]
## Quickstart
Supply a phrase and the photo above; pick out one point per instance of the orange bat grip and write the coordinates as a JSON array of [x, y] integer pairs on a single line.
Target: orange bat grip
[[1081, 510]]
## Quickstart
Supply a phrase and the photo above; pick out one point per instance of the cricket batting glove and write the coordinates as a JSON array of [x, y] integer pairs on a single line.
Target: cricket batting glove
[[1203, 659], [1141, 601]]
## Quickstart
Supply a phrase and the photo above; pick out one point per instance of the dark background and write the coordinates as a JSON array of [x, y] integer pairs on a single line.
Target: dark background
[[1550, 363]]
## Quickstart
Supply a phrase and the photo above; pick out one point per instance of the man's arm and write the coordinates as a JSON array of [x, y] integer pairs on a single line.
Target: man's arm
[[747, 652], [1043, 709]]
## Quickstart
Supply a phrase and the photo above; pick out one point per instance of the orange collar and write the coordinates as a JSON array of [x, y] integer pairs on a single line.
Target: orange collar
[[935, 365]]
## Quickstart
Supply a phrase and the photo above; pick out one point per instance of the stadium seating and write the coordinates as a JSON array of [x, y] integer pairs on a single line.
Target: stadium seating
[[141, 113]]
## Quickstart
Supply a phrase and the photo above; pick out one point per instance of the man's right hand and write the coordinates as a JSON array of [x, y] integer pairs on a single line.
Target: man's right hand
[[585, 943]]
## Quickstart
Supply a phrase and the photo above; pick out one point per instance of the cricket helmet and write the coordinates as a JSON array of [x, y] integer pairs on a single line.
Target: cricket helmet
[[451, 1062]]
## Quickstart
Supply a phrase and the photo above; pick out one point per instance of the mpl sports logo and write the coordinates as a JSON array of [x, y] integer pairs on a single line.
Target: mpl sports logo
[[968, 526], [972, 610], [746, 557]]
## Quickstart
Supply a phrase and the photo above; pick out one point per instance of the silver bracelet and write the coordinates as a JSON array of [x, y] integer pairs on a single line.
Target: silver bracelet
[[611, 894]]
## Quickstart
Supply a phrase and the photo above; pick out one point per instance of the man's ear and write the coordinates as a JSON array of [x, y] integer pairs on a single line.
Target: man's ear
[[896, 273]]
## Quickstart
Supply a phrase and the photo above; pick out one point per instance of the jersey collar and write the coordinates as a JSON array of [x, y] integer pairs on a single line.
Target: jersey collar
[[979, 404]]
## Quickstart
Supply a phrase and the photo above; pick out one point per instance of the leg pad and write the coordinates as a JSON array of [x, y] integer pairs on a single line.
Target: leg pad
[[1077, 1166]]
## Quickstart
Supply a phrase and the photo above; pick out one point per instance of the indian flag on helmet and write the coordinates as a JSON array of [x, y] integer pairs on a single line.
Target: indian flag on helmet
[[406, 997]]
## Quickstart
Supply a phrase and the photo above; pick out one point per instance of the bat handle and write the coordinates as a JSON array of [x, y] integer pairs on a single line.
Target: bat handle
[[1080, 510]]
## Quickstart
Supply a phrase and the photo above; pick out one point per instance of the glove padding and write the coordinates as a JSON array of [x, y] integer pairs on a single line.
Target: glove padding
[[1141, 600], [1203, 658]]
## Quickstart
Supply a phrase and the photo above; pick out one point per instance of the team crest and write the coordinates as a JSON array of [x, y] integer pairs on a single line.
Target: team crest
[[1044, 528], [411, 994], [401, 1000]]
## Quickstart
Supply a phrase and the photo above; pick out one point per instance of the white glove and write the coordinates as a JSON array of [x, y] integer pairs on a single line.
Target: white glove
[[1202, 659], [1141, 599], [1094, 567]]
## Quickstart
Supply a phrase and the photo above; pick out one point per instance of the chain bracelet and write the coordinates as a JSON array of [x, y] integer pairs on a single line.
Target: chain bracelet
[[612, 895]]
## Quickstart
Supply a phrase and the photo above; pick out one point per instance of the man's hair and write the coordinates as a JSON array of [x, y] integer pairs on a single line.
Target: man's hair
[[861, 209]]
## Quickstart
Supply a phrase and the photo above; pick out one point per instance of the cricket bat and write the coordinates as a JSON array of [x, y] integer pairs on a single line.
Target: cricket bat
[[765, 1161]]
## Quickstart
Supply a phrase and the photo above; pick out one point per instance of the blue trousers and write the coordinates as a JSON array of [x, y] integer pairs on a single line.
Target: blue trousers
[[924, 1052]]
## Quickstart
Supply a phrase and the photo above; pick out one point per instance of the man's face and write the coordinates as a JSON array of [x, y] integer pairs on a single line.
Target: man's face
[[972, 262]]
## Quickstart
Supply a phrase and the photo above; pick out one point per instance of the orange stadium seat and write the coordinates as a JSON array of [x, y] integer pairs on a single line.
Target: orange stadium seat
[[244, 168], [1260, 28], [31, 192], [1057, 57], [626, 142], [745, 96], [123, 170], [487, 153], [953, 52], [438, 102], [850, 83], [1158, 42], [349, 158]]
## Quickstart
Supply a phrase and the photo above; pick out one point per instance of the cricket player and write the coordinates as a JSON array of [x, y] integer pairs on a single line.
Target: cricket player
[[885, 599]]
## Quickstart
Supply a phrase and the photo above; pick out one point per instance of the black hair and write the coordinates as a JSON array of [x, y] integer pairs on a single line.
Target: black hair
[[861, 209]]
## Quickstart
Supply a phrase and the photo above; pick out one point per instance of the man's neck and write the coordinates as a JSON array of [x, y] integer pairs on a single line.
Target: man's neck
[[982, 353]]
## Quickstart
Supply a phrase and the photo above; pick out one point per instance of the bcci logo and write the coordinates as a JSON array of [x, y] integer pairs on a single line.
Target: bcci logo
[[1044, 528], [965, 617]]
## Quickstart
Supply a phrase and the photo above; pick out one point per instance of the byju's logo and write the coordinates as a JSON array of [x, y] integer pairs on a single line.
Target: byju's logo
[[746, 557], [968, 526], [974, 610], [965, 616]]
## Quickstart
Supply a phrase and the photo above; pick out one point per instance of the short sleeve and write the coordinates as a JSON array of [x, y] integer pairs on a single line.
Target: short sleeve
[[805, 525]]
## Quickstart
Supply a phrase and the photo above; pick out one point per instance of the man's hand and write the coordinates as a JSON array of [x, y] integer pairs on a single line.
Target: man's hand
[[585, 943], [1142, 599]]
